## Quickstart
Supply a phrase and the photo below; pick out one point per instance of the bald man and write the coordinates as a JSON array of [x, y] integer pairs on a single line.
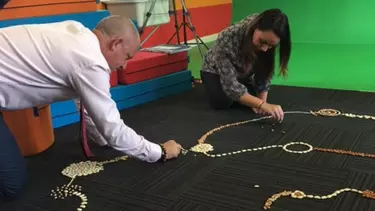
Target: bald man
[[46, 63]]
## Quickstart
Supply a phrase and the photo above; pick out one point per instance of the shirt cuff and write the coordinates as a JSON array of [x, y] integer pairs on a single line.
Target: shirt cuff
[[155, 153]]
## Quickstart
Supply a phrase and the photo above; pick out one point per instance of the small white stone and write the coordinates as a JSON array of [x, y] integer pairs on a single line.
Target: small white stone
[[317, 197]]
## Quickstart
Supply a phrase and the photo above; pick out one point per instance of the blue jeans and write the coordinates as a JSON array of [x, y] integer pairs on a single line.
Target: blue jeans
[[12, 165]]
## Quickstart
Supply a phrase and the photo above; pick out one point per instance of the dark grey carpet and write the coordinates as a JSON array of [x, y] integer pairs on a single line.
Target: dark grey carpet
[[201, 183]]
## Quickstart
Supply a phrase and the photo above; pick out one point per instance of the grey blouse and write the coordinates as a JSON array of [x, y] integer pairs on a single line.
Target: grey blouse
[[223, 59]]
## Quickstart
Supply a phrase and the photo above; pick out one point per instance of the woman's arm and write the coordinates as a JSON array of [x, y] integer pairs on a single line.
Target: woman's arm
[[239, 92], [263, 95], [231, 86], [221, 57], [262, 90], [251, 101]]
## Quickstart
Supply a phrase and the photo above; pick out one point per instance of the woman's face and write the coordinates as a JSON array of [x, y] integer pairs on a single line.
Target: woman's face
[[265, 40]]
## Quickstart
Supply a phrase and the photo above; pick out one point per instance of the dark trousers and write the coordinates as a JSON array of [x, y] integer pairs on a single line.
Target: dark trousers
[[12, 165], [215, 93]]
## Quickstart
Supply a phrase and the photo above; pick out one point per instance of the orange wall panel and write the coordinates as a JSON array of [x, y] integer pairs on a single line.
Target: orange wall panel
[[27, 3], [44, 10]]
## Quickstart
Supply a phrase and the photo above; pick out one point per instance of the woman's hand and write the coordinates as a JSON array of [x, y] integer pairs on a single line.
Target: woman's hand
[[262, 96], [274, 110], [259, 111], [265, 108]]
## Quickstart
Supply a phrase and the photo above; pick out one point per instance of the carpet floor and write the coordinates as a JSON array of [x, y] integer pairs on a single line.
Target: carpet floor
[[236, 182]]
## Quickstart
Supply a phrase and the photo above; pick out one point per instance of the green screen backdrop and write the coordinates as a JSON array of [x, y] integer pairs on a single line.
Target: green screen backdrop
[[333, 41], [320, 21]]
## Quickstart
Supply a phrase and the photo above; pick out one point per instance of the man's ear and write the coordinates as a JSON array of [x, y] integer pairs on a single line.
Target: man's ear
[[115, 43]]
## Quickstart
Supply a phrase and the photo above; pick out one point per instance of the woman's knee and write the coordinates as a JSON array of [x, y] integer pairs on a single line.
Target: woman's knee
[[214, 90]]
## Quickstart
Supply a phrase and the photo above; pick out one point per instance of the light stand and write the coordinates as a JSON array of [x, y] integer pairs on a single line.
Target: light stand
[[148, 15], [142, 29], [185, 17]]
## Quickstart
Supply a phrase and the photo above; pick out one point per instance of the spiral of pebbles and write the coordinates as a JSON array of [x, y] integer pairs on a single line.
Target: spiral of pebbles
[[82, 169], [68, 191], [202, 148], [74, 170], [85, 168]]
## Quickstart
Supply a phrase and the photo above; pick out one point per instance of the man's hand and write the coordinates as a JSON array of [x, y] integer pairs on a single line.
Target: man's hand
[[172, 149], [275, 110]]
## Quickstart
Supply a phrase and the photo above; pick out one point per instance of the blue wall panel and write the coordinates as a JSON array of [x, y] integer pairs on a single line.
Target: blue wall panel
[[89, 19], [155, 95], [62, 108], [65, 120], [127, 96], [122, 92]]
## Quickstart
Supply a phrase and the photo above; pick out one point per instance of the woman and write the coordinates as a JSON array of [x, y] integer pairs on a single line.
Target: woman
[[240, 65]]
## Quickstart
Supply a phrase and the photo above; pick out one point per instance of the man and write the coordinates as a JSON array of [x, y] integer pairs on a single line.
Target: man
[[46, 63]]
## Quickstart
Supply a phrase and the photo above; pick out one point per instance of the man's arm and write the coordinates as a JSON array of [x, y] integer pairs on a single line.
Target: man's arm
[[92, 85]]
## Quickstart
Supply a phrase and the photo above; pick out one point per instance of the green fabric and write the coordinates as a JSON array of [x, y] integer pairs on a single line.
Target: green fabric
[[333, 42], [319, 21], [344, 67]]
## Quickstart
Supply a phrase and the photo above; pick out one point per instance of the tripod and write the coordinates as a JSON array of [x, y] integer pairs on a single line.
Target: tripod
[[185, 16], [148, 15]]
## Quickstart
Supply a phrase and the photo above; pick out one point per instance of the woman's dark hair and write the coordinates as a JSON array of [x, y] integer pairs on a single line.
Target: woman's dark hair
[[270, 20]]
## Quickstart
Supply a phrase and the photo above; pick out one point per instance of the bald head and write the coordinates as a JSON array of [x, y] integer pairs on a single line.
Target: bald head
[[118, 26], [119, 39]]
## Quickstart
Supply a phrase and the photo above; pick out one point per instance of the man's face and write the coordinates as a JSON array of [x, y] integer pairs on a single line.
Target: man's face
[[265, 40], [119, 52]]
